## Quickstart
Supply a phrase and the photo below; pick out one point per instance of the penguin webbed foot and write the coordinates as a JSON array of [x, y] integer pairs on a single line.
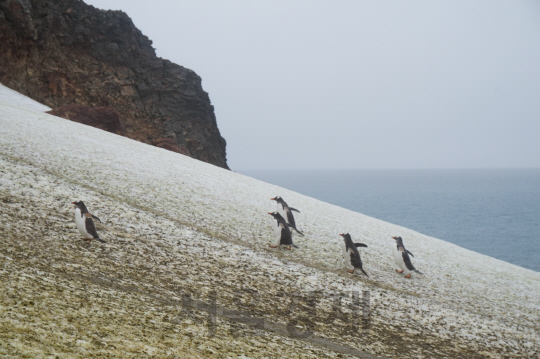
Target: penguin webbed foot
[[399, 271], [408, 276], [273, 246]]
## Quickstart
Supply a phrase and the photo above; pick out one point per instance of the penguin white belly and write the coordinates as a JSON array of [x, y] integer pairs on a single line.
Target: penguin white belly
[[346, 257], [80, 221], [398, 258], [277, 232]]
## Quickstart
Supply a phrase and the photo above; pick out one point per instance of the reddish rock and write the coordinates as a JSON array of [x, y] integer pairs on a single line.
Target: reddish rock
[[105, 118], [66, 52]]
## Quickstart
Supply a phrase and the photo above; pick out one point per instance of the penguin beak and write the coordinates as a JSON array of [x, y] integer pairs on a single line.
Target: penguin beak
[[393, 237], [270, 213], [72, 202], [273, 199], [341, 234]]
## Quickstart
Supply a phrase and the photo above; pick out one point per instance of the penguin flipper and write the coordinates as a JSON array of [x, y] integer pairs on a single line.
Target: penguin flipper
[[356, 262], [294, 209], [90, 227], [409, 252], [97, 218], [407, 261], [360, 245]]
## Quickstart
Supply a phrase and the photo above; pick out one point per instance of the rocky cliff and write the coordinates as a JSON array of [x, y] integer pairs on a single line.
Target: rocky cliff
[[66, 52]]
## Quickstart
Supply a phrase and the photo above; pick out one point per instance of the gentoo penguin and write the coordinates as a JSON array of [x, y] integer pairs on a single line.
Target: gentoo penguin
[[84, 222], [281, 231], [286, 212], [402, 259], [351, 254]]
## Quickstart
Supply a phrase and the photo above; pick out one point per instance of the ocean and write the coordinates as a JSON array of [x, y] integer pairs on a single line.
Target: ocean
[[491, 211]]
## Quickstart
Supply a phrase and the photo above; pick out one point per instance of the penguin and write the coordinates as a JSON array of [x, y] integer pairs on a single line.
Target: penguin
[[351, 254], [282, 232], [402, 259], [84, 222], [286, 212]]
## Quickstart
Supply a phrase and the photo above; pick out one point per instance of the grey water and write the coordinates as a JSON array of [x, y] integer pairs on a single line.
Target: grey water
[[491, 211]]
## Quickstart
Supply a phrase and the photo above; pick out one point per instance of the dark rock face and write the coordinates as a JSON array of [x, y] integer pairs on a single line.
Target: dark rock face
[[105, 118], [65, 52]]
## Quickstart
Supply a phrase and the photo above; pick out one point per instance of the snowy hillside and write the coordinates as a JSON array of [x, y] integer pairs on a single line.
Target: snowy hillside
[[176, 227]]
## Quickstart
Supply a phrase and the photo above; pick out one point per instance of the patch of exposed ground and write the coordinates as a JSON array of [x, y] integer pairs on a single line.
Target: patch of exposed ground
[[187, 271], [149, 290]]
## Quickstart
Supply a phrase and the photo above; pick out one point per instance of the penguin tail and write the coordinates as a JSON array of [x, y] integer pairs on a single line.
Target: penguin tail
[[101, 240], [363, 271], [417, 271], [302, 234], [295, 246]]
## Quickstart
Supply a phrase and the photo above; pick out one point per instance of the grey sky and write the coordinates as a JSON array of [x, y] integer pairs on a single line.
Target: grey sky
[[360, 84]]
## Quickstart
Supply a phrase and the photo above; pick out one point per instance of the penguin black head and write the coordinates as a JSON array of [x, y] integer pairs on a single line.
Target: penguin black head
[[80, 205], [399, 240], [277, 216], [278, 199], [345, 236]]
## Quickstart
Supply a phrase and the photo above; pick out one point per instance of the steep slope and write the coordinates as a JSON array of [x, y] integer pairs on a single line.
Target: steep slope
[[183, 235], [66, 52]]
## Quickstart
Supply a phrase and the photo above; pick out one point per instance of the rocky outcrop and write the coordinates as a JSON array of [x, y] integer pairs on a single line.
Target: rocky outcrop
[[104, 118], [65, 52]]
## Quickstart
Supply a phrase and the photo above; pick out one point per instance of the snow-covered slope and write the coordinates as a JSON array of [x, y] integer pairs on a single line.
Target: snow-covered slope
[[176, 226], [11, 98]]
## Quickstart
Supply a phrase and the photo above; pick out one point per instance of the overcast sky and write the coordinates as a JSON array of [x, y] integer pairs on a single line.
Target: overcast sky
[[360, 84]]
